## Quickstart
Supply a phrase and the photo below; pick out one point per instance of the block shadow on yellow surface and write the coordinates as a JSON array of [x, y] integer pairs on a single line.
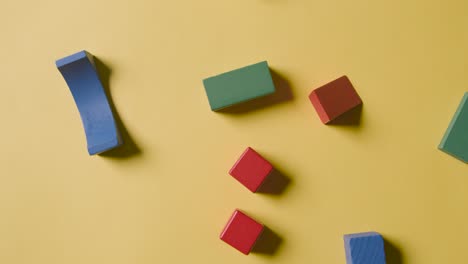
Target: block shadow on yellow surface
[[275, 184], [350, 118], [129, 147], [283, 93], [393, 253], [268, 243]]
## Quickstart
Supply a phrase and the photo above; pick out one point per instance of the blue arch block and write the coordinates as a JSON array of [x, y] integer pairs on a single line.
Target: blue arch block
[[79, 71], [364, 248]]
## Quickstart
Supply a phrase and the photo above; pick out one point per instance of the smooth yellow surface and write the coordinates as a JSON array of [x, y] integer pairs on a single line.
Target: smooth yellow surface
[[407, 59]]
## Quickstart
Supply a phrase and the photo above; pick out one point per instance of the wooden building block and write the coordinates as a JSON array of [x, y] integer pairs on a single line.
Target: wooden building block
[[251, 169], [79, 72], [334, 99], [239, 85], [455, 140], [364, 248], [241, 232]]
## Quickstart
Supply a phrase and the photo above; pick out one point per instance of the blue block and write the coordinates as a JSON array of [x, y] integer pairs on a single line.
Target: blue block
[[364, 248], [81, 76]]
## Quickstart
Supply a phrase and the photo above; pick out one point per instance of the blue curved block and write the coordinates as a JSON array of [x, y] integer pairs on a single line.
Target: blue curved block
[[364, 248], [79, 71]]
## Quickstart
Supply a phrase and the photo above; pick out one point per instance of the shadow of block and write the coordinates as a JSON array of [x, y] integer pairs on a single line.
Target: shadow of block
[[282, 94], [350, 118], [275, 183], [129, 147], [393, 253], [268, 243]]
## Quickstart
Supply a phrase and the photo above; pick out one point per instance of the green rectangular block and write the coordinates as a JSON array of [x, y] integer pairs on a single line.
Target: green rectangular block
[[239, 85], [455, 140]]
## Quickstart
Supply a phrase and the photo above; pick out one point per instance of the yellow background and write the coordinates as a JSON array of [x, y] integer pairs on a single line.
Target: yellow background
[[168, 202]]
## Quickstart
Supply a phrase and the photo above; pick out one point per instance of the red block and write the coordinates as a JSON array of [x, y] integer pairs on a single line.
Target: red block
[[334, 99], [251, 169], [241, 232]]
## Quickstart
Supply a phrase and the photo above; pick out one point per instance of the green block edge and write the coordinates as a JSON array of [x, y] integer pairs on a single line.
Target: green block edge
[[450, 127]]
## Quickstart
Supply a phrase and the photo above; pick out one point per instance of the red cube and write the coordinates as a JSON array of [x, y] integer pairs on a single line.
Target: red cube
[[334, 99], [251, 169], [241, 232]]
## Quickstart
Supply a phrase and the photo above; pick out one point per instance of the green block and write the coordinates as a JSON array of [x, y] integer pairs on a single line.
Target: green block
[[455, 141], [239, 85]]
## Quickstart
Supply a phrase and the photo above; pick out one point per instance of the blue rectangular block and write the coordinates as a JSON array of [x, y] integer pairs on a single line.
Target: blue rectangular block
[[364, 248]]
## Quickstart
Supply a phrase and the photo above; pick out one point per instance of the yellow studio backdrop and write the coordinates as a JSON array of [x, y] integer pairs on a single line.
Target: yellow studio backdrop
[[168, 201]]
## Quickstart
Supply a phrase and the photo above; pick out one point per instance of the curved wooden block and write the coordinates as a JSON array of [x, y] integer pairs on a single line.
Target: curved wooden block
[[80, 74]]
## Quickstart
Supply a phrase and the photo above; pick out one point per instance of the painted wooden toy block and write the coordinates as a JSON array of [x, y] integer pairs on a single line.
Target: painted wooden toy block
[[364, 248], [334, 99], [81, 76], [455, 140], [241, 232], [251, 169], [239, 85]]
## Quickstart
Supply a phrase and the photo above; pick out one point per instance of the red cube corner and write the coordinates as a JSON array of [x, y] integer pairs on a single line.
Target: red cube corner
[[251, 169], [334, 99], [241, 232]]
